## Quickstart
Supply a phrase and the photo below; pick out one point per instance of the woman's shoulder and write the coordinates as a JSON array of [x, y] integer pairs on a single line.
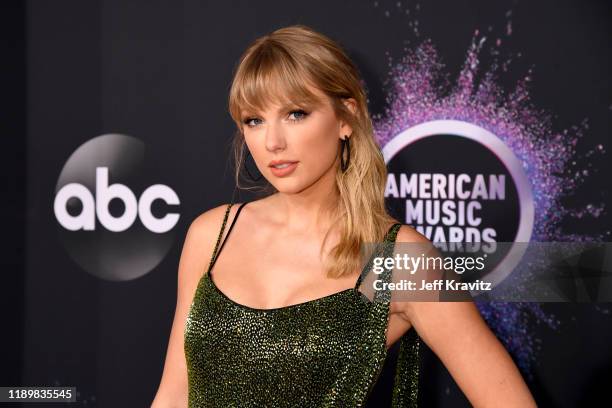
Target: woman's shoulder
[[254, 212], [208, 224], [210, 221], [407, 233], [203, 233], [417, 242]]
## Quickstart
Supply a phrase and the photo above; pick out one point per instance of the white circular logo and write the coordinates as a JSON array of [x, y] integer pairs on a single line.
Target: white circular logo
[[457, 182], [111, 222]]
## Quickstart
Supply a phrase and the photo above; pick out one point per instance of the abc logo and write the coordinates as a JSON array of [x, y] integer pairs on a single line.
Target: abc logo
[[112, 220], [99, 206]]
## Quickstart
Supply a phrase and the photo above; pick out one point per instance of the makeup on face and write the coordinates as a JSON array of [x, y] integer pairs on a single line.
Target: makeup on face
[[282, 168]]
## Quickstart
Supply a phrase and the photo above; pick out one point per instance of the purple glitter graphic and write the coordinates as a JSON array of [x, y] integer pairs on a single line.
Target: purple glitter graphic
[[419, 91]]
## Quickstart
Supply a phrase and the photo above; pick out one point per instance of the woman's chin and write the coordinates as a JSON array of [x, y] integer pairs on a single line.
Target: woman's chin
[[289, 186]]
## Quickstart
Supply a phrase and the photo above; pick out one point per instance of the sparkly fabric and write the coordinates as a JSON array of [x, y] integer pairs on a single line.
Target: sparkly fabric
[[327, 352]]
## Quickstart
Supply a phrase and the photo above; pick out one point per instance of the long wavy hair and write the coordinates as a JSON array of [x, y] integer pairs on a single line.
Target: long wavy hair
[[277, 68]]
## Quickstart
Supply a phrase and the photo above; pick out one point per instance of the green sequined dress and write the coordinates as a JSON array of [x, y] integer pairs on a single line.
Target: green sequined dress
[[327, 352]]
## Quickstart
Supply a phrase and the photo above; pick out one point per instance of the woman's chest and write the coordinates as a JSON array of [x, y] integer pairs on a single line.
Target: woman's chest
[[326, 325], [267, 279]]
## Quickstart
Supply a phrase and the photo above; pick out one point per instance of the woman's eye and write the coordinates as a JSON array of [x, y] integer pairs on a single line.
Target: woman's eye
[[294, 116], [297, 115], [248, 122]]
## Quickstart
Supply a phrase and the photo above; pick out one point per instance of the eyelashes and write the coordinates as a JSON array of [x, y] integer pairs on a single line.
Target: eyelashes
[[299, 111], [299, 114]]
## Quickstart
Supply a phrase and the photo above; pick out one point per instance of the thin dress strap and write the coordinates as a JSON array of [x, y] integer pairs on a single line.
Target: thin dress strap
[[389, 237], [215, 252]]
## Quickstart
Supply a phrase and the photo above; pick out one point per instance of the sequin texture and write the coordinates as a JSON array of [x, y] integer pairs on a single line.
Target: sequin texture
[[327, 352]]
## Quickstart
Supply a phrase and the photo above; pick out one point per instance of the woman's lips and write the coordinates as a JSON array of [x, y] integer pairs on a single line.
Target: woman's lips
[[284, 171]]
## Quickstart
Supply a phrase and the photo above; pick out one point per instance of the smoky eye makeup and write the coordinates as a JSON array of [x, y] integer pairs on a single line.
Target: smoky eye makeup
[[301, 114], [295, 111], [247, 120]]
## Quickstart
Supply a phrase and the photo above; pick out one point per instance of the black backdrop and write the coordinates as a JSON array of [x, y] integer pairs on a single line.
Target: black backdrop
[[160, 71]]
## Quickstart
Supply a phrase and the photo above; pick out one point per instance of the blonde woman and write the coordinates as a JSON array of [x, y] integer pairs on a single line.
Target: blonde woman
[[276, 317]]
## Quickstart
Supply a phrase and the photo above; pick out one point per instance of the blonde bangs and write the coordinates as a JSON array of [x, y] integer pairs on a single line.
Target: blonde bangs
[[267, 76]]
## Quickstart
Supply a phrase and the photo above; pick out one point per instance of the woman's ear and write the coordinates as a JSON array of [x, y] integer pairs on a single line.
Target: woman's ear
[[351, 104], [345, 128]]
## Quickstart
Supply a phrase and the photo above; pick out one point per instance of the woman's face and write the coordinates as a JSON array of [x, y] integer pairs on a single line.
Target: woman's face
[[295, 148]]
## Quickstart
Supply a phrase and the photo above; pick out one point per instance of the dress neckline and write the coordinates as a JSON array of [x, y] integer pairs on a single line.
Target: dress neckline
[[279, 308], [208, 276]]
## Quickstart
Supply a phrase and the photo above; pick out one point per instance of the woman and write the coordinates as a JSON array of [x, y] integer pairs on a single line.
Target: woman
[[280, 319]]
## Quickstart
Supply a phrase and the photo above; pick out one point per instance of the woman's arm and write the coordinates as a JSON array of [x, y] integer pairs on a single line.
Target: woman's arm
[[458, 335], [197, 250]]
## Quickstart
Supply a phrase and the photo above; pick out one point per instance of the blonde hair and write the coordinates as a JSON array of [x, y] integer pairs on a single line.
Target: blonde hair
[[278, 67]]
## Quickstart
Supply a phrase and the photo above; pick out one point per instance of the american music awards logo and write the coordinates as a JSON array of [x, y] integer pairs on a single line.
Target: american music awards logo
[[488, 162], [113, 220], [457, 182]]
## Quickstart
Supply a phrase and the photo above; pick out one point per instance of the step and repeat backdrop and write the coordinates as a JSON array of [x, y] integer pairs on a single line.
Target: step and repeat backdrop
[[506, 103]]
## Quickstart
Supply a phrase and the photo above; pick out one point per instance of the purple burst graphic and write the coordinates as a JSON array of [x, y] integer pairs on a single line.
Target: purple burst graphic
[[420, 91]]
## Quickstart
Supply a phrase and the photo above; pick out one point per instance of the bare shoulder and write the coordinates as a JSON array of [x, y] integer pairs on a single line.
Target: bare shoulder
[[206, 223], [406, 233], [422, 244], [202, 236]]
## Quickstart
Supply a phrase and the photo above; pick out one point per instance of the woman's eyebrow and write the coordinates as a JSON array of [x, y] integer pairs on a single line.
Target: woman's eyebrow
[[281, 109], [287, 106]]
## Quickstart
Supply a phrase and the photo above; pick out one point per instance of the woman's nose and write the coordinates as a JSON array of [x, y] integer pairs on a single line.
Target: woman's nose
[[275, 138]]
